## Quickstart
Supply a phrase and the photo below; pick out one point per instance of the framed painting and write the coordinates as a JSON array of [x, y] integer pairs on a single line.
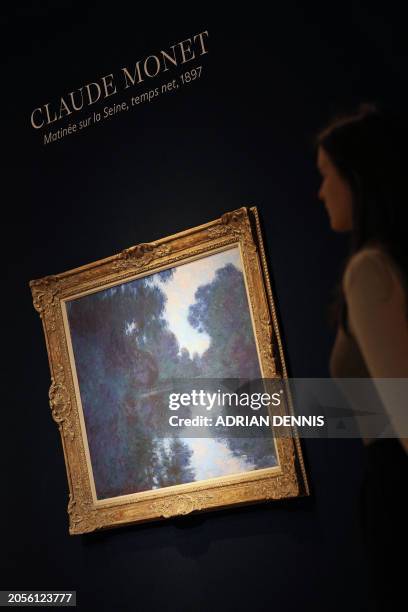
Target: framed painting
[[120, 332]]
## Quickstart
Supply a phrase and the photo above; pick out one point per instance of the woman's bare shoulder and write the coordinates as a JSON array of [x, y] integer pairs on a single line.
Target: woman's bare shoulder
[[371, 271]]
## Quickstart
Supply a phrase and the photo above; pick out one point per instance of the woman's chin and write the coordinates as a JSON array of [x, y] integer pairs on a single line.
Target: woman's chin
[[339, 227]]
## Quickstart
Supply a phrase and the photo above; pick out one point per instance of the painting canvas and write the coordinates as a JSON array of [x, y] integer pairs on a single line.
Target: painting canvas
[[190, 321], [196, 305]]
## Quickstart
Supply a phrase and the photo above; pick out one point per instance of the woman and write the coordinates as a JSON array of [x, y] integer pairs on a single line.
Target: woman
[[362, 158]]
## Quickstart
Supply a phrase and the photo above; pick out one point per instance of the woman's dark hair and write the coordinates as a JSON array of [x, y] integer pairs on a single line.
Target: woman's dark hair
[[369, 149]]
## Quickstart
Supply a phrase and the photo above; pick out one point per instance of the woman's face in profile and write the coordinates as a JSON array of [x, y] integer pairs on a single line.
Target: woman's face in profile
[[336, 194]]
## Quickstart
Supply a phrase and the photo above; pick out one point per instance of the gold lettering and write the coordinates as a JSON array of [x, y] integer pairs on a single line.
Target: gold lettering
[[108, 84], [71, 95], [186, 50], [64, 107], [88, 87], [129, 76], [157, 66], [165, 56], [47, 110], [37, 127], [200, 36]]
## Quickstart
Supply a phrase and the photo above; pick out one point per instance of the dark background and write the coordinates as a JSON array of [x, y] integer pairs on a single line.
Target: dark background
[[241, 135]]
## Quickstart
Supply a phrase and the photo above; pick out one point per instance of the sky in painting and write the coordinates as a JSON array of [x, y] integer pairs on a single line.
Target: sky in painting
[[180, 291], [211, 458]]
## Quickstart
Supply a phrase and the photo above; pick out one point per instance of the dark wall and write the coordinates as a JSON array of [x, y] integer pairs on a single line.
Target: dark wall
[[241, 135]]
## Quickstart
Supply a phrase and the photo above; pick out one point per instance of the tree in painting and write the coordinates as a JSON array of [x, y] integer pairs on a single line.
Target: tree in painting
[[119, 335], [221, 311]]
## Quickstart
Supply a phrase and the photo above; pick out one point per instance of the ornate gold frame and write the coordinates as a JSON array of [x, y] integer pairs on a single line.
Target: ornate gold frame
[[288, 479]]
